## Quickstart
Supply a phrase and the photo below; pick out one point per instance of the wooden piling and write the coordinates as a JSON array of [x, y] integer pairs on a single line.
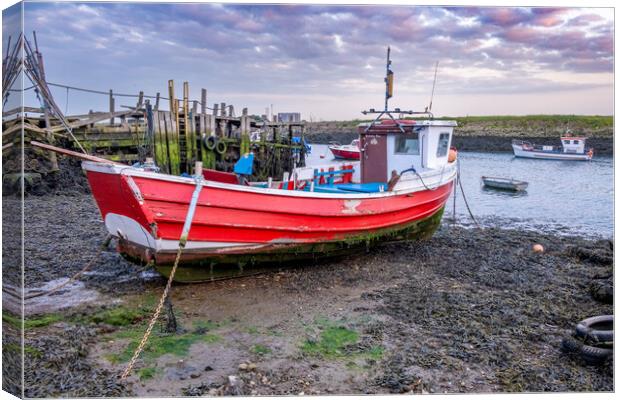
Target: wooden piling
[[172, 131], [208, 156], [161, 143], [245, 133], [156, 108], [203, 101], [111, 107], [188, 133]]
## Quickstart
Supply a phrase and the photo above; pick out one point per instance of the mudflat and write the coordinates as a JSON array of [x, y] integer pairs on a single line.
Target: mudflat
[[470, 310]]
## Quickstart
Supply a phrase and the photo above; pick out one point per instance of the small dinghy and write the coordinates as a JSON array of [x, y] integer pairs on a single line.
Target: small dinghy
[[504, 183]]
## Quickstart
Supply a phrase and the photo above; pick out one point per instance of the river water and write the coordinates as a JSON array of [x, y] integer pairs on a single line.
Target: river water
[[563, 197]]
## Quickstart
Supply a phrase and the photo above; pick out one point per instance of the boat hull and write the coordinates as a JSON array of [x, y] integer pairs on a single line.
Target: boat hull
[[239, 225], [511, 185], [206, 266], [548, 155], [345, 154]]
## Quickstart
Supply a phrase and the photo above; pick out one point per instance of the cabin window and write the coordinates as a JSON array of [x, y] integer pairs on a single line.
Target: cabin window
[[575, 141], [567, 142], [442, 146], [407, 144]]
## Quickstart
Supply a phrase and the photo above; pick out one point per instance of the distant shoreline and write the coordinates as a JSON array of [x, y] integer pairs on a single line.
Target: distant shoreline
[[494, 134], [485, 144]]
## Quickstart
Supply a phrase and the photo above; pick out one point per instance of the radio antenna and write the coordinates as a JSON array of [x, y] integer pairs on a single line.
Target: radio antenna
[[430, 105]]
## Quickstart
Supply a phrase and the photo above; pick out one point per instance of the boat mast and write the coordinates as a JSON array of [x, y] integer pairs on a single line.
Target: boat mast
[[389, 80], [389, 88]]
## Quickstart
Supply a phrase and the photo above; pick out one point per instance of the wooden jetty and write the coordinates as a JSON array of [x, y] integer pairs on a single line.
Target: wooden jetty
[[176, 138]]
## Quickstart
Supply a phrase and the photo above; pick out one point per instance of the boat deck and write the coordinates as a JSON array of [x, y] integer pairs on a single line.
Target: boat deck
[[371, 187]]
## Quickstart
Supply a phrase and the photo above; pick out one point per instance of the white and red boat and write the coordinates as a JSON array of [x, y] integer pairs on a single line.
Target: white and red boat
[[399, 192], [346, 151], [573, 149], [236, 223]]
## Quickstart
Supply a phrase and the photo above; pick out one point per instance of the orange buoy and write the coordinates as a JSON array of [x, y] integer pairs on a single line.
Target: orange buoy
[[452, 155], [538, 248]]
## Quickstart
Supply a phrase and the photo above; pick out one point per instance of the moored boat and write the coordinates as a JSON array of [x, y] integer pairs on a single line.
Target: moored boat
[[346, 151], [404, 180], [504, 183], [573, 148]]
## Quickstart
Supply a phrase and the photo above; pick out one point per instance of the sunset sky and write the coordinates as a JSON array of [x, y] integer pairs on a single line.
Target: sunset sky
[[328, 62]]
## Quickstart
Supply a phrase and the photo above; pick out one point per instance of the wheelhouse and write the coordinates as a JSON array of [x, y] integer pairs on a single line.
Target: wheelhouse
[[399, 145]]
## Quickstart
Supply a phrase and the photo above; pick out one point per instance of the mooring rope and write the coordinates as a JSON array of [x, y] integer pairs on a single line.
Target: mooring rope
[[182, 242], [458, 180]]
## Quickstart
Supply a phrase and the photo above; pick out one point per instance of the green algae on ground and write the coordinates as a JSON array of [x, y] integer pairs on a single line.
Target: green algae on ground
[[163, 343], [158, 345], [331, 343], [32, 322], [119, 316], [28, 350], [335, 340], [147, 373], [260, 349]]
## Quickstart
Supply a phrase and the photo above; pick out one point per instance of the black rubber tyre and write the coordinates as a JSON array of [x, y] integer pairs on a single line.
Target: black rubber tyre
[[595, 355], [597, 329], [589, 354], [210, 142], [571, 346], [221, 147]]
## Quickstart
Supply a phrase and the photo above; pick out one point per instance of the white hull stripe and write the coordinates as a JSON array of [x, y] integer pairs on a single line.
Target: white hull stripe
[[131, 231]]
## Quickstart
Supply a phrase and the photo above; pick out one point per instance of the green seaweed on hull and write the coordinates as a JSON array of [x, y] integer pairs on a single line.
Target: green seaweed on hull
[[237, 265]]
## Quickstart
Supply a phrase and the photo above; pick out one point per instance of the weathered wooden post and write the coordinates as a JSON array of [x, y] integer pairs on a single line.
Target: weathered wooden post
[[203, 101], [190, 138], [156, 108], [161, 142], [208, 156], [111, 107], [223, 109], [217, 128], [245, 133], [172, 131]]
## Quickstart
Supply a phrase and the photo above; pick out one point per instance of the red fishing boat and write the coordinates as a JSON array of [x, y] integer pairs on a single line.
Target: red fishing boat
[[346, 151], [399, 192]]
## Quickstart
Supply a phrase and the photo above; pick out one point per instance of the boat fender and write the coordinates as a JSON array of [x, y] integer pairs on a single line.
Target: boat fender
[[221, 147], [210, 142], [452, 155], [590, 328]]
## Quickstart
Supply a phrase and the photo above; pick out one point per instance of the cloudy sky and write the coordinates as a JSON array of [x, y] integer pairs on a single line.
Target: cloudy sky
[[328, 62]]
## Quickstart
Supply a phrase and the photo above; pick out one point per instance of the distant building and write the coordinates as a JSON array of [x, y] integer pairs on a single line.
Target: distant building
[[289, 117]]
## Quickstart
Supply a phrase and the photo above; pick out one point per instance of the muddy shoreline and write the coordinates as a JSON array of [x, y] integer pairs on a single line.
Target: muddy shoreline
[[469, 311]]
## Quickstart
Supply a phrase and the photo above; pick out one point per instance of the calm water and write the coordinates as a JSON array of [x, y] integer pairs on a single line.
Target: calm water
[[565, 197]]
